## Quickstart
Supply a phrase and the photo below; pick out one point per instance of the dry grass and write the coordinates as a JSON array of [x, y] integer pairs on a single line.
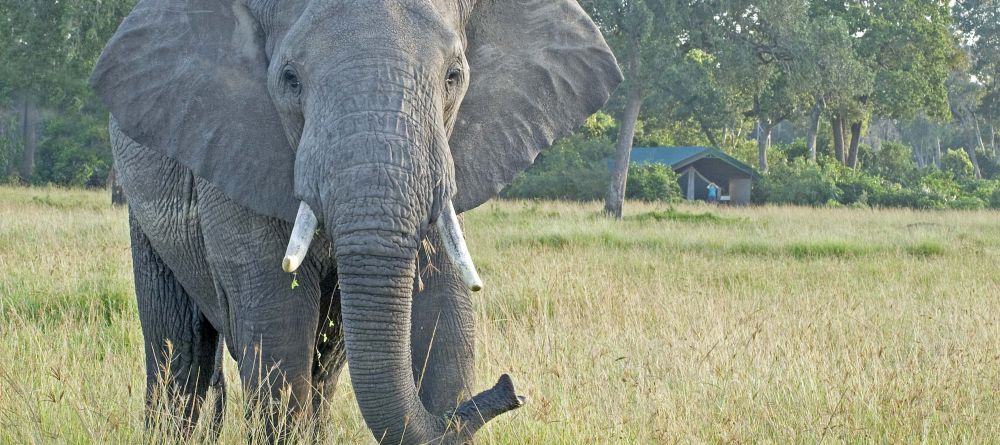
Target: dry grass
[[701, 325]]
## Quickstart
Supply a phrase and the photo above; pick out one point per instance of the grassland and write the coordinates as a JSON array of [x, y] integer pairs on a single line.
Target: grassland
[[693, 325]]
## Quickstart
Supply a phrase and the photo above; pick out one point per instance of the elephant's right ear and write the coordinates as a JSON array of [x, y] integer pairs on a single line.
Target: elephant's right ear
[[188, 78]]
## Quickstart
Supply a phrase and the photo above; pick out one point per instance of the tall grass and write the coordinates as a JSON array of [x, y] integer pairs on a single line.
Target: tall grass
[[698, 324]]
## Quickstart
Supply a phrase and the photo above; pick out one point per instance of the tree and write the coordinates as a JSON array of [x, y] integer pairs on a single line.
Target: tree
[[964, 98], [831, 71], [909, 46], [48, 48], [978, 25], [761, 54], [650, 37]]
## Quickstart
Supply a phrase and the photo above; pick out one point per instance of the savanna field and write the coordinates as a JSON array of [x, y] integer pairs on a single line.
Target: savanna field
[[692, 325]]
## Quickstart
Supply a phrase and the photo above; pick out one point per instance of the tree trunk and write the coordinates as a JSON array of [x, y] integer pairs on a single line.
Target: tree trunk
[[993, 138], [708, 133], [838, 138], [852, 154], [979, 132], [616, 191], [817, 112], [975, 162], [937, 153], [29, 137], [614, 202], [117, 192], [977, 144], [763, 141]]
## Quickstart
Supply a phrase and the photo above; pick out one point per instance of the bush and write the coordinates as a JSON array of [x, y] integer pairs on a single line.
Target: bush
[[797, 149], [893, 162], [995, 199], [74, 152], [856, 187], [988, 165], [575, 168], [746, 151], [957, 164], [652, 182], [940, 191], [895, 195], [800, 182]]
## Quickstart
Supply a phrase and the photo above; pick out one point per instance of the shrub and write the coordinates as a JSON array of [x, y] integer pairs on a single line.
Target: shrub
[[797, 149], [800, 182], [939, 191], [74, 152], [746, 151], [575, 168], [652, 182], [988, 165], [855, 187], [957, 164], [893, 162]]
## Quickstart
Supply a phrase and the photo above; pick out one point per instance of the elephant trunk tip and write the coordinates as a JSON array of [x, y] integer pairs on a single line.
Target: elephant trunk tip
[[472, 414]]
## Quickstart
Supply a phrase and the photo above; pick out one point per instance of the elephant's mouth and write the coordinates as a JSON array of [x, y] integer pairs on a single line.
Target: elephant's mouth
[[447, 224]]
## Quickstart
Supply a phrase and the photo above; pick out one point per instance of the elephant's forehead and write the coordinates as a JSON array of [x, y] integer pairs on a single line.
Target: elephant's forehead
[[388, 15]]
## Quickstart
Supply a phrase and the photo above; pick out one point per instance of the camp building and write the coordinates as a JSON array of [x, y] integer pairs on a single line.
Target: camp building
[[701, 167]]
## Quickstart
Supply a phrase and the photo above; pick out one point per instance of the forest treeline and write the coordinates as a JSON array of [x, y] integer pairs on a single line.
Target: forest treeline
[[873, 102]]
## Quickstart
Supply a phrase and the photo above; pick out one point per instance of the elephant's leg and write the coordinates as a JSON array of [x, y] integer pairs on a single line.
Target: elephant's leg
[[443, 332], [331, 354], [181, 346], [218, 384], [272, 323]]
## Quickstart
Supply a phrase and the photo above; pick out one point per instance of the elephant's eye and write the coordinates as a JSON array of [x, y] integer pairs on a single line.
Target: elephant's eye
[[292, 80], [453, 77]]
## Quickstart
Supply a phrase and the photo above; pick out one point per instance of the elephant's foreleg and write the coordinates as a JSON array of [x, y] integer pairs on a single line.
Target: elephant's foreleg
[[272, 316], [181, 346], [443, 332], [331, 354]]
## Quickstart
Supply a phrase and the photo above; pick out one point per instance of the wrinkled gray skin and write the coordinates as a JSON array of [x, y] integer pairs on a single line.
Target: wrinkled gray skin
[[228, 113]]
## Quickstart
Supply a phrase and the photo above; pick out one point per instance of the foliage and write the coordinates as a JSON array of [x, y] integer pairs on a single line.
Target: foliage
[[653, 182], [74, 152], [957, 165], [893, 162], [49, 47], [575, 168], [798, 182]]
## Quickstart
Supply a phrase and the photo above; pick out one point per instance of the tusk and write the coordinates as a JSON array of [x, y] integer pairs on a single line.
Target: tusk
[[457, 250], [302, 236]]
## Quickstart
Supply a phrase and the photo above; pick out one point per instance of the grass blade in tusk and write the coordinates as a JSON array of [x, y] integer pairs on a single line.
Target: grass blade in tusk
[[457, 250], [302, 236]]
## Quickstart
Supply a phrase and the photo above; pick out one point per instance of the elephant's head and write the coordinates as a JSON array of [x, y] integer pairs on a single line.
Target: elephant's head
[[379, 116]]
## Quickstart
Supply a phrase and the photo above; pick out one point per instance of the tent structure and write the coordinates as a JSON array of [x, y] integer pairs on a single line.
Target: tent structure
[[701, 167]]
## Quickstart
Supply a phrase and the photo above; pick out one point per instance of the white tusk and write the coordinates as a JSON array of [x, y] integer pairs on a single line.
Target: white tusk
[[457, 250], [302, 236]]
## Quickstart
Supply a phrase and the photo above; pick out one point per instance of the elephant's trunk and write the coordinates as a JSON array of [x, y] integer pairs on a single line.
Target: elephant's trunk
[[375, 177], [376, 267]]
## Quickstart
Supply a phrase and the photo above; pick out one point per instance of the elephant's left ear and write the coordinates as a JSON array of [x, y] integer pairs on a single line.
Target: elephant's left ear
[[539, 68]]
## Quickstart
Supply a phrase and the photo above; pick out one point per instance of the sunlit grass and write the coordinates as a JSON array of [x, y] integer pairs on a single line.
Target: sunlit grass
[[694, 324]]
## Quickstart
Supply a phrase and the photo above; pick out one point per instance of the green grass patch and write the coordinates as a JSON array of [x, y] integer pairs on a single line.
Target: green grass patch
[[927, 249], [828, 249], [681, 216]]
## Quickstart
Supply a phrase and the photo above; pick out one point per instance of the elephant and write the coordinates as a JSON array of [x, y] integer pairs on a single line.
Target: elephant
[[295, 171]]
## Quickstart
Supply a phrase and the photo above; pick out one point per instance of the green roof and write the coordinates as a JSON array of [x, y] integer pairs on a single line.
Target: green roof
[[680, 157]]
